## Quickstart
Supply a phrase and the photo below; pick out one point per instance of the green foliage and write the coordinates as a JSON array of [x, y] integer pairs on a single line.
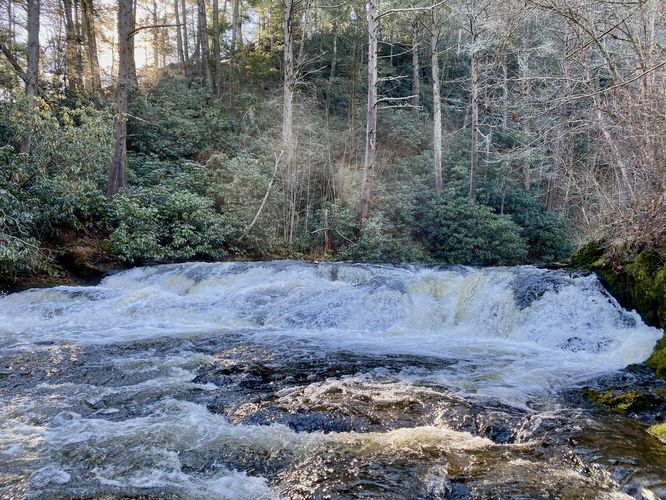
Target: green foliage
[[548, 233], [237, 187], [19, 251], [156, 223], [178, 120], [461, 232]]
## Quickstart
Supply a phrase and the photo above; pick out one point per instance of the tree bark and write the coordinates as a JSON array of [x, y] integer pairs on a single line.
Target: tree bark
[[416, 73], [203, 40], [186, 41], [371, 119], [236, 28], [436, 102], [474, 111], [118, 169], [155, 36], [179, 38], [32, 72], [72, 75], [91, 39], [289, 82], [216, 48]]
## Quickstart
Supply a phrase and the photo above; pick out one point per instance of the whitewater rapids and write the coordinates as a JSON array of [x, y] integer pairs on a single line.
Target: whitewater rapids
[[288, 379]]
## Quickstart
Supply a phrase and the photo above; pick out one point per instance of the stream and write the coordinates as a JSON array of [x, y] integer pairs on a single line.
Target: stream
[[295, 380]]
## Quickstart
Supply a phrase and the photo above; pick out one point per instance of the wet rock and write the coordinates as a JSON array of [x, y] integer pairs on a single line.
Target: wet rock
[[530, 286], [302, 422], [659, 431]]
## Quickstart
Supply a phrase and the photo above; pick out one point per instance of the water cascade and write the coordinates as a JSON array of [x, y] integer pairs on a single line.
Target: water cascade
[[295, 380]]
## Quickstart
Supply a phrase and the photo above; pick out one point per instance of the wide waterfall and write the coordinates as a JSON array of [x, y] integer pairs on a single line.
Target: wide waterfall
[[334, 380]]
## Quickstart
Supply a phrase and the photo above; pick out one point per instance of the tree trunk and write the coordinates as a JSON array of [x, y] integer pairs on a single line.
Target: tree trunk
[[130, 44], [156, 37], [186, 41], [72, 76], [436, 103], [118, 168], [203, 40], [91, 39], [416, 74], [289, 81], [371, 128], [216, 48], [32, 72], [236, 28], [474, 111], [179, 38]]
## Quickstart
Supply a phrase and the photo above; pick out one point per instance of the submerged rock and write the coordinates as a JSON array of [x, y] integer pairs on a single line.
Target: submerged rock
[[659, 431]]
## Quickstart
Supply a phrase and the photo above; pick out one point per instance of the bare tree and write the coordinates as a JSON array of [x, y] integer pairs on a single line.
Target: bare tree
[[371, 117], [416, 70], [88, 16], [203, 40], [186, 43], [126, 80], [216, 49], [32, 72], [179, 39], [436, 100]]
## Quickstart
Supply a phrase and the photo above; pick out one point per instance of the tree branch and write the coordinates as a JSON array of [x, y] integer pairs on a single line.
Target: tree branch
[[136, 30], [14, 63]]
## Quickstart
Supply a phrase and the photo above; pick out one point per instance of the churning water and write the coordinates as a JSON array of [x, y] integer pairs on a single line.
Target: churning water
[[295, 380]]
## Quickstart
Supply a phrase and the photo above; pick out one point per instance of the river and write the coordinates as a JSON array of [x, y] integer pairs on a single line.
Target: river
[[296, 380]]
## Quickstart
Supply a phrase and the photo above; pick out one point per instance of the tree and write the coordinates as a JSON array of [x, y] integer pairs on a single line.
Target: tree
[[216, 49], [371, 116], [90, 32], [203, 41], [436, 100], [126, 80], [32, 73]]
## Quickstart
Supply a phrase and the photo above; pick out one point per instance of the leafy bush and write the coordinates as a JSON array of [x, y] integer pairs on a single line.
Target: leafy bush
[[548, 233], [155, 223], [458, 231], [19, 251]]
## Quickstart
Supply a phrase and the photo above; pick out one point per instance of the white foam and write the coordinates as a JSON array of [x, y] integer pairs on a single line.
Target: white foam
[[567, 334]]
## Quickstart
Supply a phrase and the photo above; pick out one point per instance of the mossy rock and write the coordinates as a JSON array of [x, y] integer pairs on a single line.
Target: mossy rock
[[621, 401], [659, 431], [658, 359]]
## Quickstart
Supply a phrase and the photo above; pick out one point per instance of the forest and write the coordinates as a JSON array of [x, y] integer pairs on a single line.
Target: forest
[[460, 132]]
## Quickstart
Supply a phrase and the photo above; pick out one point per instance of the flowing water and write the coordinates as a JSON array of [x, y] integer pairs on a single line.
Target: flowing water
[[295, 380]]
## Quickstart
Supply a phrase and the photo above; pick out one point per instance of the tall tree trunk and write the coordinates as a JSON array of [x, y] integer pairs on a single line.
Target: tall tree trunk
[[287, 118], [371, 127], [289, 82], [203, 40], [474, 110], [334, 56], [155, 36], [436, 102], [126, 80], [72, 75], [179, 38], [91, 39], [186, 40], [216, 48], [130, 44], [236, 28], [416, 71], [32, 72]]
